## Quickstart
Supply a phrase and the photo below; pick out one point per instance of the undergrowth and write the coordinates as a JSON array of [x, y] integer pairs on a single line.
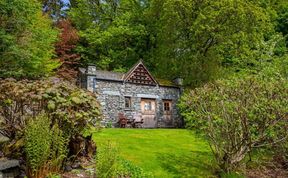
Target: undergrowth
[[45, 148]]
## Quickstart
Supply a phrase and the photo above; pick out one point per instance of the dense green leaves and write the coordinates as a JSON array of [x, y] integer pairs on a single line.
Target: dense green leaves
[[26, 40], [37, 142], [197, 40], [54, 8], [238, 115], [45, 147], [114, 33], [198, 43], [71, 108]]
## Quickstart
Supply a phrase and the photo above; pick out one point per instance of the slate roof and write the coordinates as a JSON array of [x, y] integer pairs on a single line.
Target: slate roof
[[106, 75], [117, 76]]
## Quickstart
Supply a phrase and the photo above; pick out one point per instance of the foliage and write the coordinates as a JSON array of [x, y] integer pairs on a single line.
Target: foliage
[[37, 143], [161, 152], [238, 115], [54, 8], [280, 155], [69, 107], [45, 148], [204, 40], [197, 40], [68, 39], [26, 40], [110, 32]]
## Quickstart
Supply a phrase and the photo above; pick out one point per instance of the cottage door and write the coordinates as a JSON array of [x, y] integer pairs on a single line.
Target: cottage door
[[148, 109], [167, 110]]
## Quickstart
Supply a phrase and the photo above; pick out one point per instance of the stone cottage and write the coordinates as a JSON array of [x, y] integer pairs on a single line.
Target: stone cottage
[[134, 92]]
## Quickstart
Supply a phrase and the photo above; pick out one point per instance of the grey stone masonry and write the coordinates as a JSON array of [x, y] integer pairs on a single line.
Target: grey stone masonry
[[111, 96], [138, 84]]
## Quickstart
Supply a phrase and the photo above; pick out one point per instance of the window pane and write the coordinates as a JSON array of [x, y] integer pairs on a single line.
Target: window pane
[[148, 106], [127, 102], [167, 106]]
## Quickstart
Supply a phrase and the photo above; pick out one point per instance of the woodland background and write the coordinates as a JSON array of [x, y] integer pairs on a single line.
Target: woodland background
[[197, 40]]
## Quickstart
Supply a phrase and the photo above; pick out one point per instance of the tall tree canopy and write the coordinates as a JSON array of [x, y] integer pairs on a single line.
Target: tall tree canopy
[[54, 8], [114, 34], [65, 46], [195, 39], [199, 37], [26, 40]]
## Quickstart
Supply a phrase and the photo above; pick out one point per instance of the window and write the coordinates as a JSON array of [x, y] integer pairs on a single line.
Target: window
[[148, 106], [127, 102], [167, 105]]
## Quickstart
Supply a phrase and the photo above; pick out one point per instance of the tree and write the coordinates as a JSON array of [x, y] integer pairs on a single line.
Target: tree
[[197, 40], [238, 115], [113, 33], [204, 40], [54, 8], [65, 50], [26, 40]]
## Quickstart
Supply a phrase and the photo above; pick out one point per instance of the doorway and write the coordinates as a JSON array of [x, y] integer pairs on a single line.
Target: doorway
[[148, 109], [167, 112]]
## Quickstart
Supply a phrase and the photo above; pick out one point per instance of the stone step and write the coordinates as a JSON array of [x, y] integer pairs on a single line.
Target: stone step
[[7, 164], [9, 168]]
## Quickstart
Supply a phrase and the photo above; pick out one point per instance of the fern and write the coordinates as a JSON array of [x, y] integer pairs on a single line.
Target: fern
[[45, 148], [37, 142]]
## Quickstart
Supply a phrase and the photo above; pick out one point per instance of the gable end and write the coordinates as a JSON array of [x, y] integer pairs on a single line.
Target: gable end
[[139, 74]]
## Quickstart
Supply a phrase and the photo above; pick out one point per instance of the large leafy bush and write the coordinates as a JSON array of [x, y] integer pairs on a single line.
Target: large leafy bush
[[71, 108], [238, 115]]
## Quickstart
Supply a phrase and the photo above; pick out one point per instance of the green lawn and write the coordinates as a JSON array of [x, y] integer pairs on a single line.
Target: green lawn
[[164, 152]]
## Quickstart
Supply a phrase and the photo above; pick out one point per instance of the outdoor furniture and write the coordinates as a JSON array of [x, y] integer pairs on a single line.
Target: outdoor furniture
[[122, 120], [130, 123], [138, 121]]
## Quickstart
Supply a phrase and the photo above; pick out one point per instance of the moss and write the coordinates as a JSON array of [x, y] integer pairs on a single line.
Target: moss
[[165, 82]]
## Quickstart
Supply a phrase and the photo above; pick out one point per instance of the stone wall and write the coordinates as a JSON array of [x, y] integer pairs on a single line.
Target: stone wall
[[111, 95]]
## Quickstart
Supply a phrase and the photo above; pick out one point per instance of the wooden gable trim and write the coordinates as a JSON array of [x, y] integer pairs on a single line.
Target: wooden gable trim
[[133, 69]]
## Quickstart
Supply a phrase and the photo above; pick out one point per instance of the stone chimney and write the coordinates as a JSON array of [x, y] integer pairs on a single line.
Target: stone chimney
[[91, 69], [178, 81], [91, 77]]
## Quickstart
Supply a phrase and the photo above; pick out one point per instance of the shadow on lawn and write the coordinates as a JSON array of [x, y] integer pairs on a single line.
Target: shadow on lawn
[[195, 164]]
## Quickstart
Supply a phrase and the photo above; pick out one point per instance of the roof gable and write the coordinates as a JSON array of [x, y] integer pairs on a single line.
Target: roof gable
[[139, 74]]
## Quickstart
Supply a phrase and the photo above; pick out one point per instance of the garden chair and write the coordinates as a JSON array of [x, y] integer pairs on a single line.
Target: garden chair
[[138, 120], [122, 120]]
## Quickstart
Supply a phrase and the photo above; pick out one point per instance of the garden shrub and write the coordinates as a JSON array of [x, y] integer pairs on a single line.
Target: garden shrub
[[238, 115], [45, 148], [72, 109], [280, 155]]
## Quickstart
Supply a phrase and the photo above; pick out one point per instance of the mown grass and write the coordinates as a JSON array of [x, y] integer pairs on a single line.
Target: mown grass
[[164, 152]]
